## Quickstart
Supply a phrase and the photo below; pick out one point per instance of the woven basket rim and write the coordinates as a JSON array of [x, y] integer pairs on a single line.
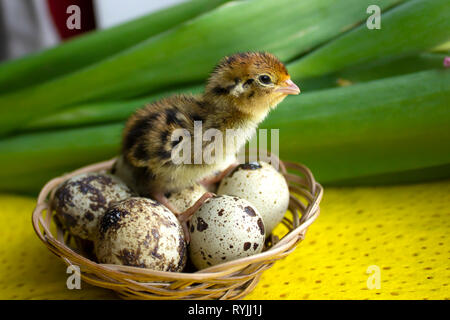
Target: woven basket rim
[[125, 274]]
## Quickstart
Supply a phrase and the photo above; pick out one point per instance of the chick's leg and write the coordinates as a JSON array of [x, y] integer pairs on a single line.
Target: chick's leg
[[185, 216], [217, 178], [161, 198]]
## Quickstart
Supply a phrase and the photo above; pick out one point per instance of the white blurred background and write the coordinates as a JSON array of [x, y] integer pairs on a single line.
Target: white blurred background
[[112, 12], [27, 26]]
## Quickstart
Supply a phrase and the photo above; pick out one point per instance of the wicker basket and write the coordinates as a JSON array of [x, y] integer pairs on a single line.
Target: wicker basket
[[230, 280]]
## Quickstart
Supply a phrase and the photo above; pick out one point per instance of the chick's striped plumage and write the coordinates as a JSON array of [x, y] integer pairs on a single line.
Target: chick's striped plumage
[[147, 143], [147, 132], [236, 97]]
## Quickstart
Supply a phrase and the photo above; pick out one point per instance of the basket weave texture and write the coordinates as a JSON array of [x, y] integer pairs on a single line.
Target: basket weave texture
[[229, 280]]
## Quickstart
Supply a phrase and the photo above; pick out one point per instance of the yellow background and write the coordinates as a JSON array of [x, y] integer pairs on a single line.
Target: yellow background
[[402, 230]]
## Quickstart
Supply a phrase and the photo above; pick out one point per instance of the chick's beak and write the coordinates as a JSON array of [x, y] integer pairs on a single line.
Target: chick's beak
[[288, 87]]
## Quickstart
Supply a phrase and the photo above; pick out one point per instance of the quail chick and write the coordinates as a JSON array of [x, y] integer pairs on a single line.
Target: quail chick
[[239, 94]]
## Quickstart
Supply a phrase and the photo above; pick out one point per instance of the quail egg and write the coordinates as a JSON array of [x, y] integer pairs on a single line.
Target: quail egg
[[81, 200], [263, 186], [186, 198], [141, 232], [225, 228]]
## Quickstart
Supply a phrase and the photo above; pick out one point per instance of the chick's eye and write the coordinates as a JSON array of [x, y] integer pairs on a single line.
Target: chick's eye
[[265, 79]]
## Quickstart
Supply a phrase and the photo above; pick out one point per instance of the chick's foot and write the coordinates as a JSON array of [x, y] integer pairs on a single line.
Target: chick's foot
[[185, 216], [207, 182], [161, 198]]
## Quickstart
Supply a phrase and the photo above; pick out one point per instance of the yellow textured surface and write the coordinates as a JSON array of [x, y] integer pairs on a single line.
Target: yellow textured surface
[[401, 230]]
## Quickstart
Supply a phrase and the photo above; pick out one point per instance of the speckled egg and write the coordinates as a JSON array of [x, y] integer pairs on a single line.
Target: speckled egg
[[141, 232], [186, 198], [81, 200], [263, 186], [225, 228]]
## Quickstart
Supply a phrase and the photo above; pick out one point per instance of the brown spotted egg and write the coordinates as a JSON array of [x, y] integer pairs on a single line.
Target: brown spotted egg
[[81, 200], [225, 228], [186, 198], [262, 185], [141, 232]]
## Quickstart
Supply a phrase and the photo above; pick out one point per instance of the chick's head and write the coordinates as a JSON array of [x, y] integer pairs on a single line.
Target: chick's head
[[254, 82]]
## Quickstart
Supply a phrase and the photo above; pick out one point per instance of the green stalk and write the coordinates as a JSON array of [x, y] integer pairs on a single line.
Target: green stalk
[[389, 67], [30, 184], [409, 176], [103, 112], [372, 70], [388, 125], [384, 126], [186, 54], [39, 153], [96, 46], [100, 112], [409, 28], [442, 48]]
